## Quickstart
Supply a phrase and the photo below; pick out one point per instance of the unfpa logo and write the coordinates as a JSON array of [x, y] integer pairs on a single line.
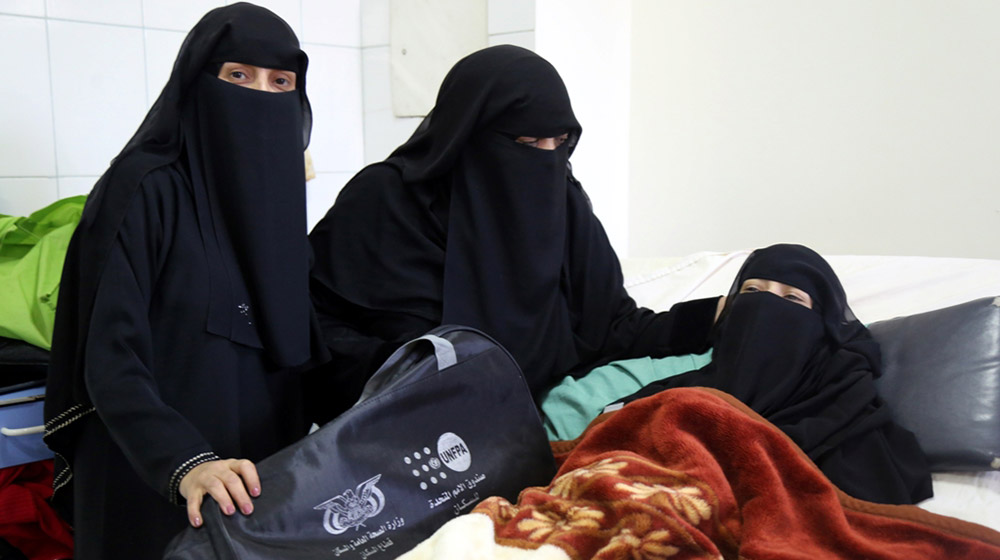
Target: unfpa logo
[[453, 452]]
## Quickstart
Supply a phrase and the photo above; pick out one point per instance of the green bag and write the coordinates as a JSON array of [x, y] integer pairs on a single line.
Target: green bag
[[32, 251]]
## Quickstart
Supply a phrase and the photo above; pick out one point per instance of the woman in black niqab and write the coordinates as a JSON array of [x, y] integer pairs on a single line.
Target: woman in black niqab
[[811, 372], [184, 303], [466, 224]]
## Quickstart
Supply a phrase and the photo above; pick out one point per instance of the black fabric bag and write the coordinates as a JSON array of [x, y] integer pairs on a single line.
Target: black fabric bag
[[446, 422]]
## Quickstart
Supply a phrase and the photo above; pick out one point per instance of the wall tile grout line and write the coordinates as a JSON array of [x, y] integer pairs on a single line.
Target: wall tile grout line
[[143, 26], [52, 102], [145, 54], [510, 32]]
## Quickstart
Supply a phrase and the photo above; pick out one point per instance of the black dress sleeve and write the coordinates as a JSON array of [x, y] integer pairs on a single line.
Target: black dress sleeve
[[684, 329], [161, 445], [639, 332]]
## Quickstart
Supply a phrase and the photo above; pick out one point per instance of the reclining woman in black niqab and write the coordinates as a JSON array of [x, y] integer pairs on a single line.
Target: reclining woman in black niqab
[[474, 222], [184, 304], [804, 362]]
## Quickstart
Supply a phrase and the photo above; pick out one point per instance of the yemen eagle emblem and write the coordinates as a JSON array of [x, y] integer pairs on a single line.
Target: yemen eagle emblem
[[353, 507]]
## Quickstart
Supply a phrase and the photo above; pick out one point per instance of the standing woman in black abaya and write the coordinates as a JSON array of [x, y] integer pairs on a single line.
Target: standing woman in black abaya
[[477, 220], [184, 309]]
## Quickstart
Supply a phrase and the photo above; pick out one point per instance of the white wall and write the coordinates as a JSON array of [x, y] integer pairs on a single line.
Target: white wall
[[588, 41], [851, 126], [80, 76], [508, 22]]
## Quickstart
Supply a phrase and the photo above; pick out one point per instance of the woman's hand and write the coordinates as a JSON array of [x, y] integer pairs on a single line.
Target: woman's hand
[[227, 481]]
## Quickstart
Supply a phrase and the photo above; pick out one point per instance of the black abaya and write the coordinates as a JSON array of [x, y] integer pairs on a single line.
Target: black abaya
[[811, 372], [164, 393], [184, 302]]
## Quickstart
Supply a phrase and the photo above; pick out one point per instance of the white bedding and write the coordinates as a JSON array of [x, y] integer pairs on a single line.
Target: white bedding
[[877, 288]]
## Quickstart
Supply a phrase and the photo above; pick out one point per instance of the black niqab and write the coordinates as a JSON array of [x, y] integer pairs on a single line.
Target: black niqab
[[811, 373], [244, 152], [252, 215], [480, 230]]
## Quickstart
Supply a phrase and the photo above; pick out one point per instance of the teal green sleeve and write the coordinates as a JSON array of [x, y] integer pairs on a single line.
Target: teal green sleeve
[[574, 402]]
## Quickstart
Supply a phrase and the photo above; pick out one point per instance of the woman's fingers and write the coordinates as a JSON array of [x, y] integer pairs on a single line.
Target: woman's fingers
[[248, 471], [230, 482], [194, 510], [236, 490], [219, 490]]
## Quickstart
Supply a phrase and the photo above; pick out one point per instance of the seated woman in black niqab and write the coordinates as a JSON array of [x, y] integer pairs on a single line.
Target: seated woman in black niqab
[[803, 361], [477, 220], [184, 303]]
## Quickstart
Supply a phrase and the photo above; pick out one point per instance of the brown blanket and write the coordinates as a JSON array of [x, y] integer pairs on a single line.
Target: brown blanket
[[693, 473]]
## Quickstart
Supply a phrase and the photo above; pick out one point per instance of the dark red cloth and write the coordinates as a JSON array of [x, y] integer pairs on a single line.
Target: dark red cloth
[[27, 521], [694, 473]]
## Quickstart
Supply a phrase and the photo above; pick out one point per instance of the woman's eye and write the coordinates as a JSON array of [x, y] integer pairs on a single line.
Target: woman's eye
[[237, 74], [750, 289]]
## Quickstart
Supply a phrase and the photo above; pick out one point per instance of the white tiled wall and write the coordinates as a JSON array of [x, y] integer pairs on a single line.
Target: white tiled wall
[[81, 75], [25, 101], [508, 21], [332, 22], [176, 16], [336, 144], [96, 107], [23, 7], [26, 194], [116, 12]]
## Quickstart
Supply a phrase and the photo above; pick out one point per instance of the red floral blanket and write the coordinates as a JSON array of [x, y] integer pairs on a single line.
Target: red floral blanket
[[693, 473]]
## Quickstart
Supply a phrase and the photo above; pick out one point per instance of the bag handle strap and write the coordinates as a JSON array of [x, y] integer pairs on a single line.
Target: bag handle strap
[[444, 351], [388, 376]]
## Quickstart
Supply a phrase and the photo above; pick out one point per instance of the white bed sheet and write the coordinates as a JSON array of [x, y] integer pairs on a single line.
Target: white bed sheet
[[877, 288]]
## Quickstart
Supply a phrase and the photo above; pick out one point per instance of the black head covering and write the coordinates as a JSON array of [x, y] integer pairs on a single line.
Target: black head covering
[[244, 152], [462, 225], [811, 372], [804, 269], [505, 89]]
